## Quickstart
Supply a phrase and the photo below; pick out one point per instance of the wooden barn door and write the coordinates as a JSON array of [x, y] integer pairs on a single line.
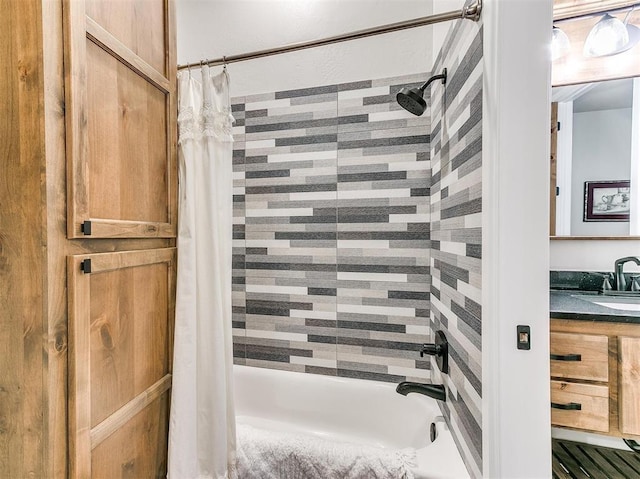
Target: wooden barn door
[[120, 323], [120, 69]]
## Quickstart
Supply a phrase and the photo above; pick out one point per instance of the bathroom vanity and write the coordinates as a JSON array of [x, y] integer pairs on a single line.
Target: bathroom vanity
[[595, 363], [594, 338]]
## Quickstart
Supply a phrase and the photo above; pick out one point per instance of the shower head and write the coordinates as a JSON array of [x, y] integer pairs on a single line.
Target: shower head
[[411, 99]]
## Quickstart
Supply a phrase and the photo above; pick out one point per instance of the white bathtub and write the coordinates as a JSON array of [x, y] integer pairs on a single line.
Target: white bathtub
[[351, 410]]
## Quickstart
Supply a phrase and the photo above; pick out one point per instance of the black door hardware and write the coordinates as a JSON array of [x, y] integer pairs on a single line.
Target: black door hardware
[[566, 357], [85, 266], [572, 406]]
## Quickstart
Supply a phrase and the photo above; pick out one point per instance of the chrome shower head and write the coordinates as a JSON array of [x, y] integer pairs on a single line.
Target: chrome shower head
[[411, 99]]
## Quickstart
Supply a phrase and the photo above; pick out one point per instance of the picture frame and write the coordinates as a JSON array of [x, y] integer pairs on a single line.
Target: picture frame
[[606, 200]]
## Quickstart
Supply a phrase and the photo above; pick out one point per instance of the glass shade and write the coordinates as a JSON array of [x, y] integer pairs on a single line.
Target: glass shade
[[608, 37], [560, 44]]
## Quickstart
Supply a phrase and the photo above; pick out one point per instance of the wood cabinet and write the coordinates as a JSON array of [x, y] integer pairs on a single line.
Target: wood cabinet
[[120, 322], [22, 261], [580, 356], [580, 405], [629, 396], [120, 93], [88, 128], [595, 377]]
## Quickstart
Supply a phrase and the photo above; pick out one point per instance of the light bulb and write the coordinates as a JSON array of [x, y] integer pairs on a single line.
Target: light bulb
[[608, 37]]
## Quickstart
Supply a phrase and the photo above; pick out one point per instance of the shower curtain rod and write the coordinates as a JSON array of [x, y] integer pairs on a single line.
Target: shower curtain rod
[[470, 11]]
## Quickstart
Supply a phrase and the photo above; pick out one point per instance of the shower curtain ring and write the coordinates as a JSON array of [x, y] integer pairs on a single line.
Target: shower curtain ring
[[224, 63]]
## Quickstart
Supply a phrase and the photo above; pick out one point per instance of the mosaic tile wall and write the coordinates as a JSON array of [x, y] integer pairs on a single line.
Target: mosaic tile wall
[[456, 232], [331, 231]]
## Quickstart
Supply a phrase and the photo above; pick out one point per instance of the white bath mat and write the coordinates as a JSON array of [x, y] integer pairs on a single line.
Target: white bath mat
[[264, 454]]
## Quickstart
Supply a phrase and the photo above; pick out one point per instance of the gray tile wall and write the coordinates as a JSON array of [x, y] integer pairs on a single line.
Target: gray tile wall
[[357, 231], [456, 232], [331, 231]]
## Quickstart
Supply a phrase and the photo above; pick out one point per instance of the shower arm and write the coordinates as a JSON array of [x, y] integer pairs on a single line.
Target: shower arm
[[442, 76]]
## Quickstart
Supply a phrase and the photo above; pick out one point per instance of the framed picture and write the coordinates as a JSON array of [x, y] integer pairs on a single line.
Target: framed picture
[[606, 200]]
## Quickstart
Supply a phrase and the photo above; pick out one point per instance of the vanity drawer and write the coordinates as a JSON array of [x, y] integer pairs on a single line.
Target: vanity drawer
[[580, 356], [581, 406]]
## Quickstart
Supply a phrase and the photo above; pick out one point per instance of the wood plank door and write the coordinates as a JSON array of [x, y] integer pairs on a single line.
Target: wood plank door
[[120, 74], [121, 310]]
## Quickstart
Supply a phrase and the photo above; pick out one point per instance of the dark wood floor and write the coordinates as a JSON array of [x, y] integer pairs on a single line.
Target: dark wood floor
[[574, 460]]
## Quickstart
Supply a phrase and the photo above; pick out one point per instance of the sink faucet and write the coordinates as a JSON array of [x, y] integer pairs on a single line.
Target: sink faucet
[[436, 391], [621, 282]]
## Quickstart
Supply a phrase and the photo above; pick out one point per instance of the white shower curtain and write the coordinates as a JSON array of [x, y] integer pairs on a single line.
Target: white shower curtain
[[202, 422]]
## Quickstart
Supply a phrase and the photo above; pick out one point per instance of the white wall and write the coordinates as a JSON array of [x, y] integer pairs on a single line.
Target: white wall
[[515, 281], [591, 255], [216, 28], [601, 151]]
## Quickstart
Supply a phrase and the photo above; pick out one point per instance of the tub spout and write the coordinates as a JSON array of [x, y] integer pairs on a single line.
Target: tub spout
[[436, 391]]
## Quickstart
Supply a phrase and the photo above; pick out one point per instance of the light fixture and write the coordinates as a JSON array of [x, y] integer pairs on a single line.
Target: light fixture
[[560, 44], [610, 36]]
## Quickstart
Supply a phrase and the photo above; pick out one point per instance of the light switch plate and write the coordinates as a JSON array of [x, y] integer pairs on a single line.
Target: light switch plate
[[524, 337]]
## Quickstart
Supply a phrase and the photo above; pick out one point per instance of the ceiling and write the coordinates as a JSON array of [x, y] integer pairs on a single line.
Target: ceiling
[[605, 95]]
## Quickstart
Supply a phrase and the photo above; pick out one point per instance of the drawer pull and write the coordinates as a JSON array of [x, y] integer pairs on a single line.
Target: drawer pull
[[566, 357], [572, 406]]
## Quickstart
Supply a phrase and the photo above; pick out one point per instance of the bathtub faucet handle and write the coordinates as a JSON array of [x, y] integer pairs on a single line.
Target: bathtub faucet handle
[[431, 349], [439, 349]]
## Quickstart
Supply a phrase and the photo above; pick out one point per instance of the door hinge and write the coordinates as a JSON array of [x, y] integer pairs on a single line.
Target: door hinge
[[85, 266], [558, 126], [557, 191]]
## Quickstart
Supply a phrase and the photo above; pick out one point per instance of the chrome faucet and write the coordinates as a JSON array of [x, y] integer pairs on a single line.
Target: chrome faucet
[[621, 282]]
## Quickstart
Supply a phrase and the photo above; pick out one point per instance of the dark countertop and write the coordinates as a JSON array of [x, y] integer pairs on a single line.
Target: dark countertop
[[566, 304]]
